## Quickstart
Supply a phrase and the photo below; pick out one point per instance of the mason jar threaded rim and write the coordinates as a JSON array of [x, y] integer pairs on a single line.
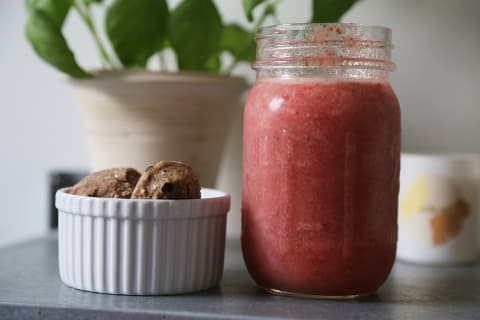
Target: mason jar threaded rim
[[325, 46]]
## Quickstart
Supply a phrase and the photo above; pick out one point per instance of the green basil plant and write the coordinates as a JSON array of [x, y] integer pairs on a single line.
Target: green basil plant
[[140, 29]]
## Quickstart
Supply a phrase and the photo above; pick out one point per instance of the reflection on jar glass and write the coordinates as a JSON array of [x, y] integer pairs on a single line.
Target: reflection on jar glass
[[321, 161]]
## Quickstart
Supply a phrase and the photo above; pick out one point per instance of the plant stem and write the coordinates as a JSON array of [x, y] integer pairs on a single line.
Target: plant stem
[[86, 17], [276, 19], [266, 12]]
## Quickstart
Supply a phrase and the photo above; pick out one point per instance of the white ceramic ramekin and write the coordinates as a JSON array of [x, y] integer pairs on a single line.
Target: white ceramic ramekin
[[141, 247]]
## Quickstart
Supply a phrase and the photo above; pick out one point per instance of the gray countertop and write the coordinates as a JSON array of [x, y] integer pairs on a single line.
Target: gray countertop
[[30, 288]]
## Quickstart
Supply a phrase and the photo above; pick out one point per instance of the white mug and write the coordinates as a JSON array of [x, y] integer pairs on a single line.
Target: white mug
[[437, 208]]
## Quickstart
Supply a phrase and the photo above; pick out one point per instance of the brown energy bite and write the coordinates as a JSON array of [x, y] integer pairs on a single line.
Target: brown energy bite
[[109, 183], [168, 180]]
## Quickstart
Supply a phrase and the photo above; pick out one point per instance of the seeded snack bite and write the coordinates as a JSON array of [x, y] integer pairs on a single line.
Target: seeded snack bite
[[168, 180], [109, 183]]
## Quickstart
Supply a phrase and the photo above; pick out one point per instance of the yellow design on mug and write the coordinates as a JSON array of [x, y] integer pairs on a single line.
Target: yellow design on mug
[[416, 195]]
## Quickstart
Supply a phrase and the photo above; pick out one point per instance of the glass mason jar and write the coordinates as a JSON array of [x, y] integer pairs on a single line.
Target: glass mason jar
[[321, 158]]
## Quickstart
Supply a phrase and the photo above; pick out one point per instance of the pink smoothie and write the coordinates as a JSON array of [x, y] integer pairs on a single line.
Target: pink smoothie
[[320, 185]]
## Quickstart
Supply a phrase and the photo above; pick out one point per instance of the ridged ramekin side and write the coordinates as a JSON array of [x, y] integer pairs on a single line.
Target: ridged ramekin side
[[140, 257]]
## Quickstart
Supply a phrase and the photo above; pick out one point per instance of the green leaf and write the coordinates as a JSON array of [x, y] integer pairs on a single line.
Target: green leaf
[[30, 4], [214, 64], [137, 29], [90, 2], [194, 31], [239, 42], [330, 10], [248, 6], [165, 44], [47, 40], [56, 10]]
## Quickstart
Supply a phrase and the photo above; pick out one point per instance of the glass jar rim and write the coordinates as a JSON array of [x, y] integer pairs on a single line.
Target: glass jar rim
[[324, 45], [379, 33]]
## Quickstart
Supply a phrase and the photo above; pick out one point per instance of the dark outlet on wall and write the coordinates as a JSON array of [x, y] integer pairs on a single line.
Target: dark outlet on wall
[[58, 179]]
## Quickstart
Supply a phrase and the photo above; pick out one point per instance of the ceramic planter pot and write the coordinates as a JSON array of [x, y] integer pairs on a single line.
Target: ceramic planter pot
[[136, 118]]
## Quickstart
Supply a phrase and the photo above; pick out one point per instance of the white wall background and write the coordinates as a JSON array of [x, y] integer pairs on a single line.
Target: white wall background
[[438, 83]]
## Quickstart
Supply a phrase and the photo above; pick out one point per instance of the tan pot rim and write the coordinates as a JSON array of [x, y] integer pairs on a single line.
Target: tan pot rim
[[146, 76]]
